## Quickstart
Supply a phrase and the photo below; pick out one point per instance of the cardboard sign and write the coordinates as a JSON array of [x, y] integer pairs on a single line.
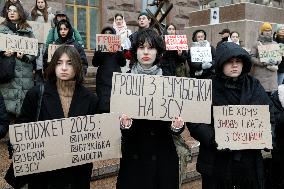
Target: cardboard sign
[[40, 30], [55, 144], [201, 54], [176, 42], [161, 97], [51, 49], [242, 127], [269, 52], [18, 44], [108, 42]]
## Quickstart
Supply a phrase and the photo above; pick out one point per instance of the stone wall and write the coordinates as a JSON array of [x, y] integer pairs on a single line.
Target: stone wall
[[179, 15]]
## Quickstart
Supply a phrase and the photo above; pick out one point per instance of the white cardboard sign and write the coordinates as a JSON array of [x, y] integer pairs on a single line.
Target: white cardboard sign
[[18, 44], [55, 144], [161, 97], [201, 54], [176, 42], [241, 127]]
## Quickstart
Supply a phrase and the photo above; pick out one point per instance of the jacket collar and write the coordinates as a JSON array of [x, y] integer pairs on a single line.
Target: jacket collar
[[53, 103]]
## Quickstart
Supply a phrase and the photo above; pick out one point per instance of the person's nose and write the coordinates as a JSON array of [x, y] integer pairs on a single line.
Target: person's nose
[[64, 66], [146, 50]]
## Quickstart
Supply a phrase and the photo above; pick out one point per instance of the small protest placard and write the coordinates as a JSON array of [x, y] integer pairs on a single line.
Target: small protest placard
[[242, 127], [269, 52], [108, 42], [161, 97], [200, 54], [176, 42], [18, 44], [55, 144], [51, 49]]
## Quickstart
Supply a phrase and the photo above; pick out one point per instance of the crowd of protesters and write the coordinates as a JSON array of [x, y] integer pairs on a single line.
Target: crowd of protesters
[[150, 155]]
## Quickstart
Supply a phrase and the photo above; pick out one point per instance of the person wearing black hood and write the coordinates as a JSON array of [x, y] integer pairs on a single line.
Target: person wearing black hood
[[65, 34], [201, 70], [107, 63], [53, 34], [231, 85]]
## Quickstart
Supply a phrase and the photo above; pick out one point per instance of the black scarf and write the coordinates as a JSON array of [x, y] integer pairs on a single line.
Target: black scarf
[[12, 26], [244, 90]]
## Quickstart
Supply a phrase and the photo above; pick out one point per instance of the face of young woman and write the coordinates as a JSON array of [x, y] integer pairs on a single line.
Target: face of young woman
[[118, 20], [64, 69], [233, 68], [200, 36], [171, 30], [146, 55], [235, 37], [40, 4], [63, 31], [13, 13]]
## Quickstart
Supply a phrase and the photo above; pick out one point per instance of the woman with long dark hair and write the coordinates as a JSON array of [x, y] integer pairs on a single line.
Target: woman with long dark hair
[[64, 96]]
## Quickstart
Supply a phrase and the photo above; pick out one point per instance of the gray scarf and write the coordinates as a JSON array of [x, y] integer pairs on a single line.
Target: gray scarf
[[154, 70]]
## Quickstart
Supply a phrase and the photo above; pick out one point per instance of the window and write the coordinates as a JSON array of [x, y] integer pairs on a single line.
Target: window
[[84, 16]]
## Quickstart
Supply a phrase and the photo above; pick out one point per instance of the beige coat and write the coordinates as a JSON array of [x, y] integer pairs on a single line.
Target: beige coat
[[259, 70]]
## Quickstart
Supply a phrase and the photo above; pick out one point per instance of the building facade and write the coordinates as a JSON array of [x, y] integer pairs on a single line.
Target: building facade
[[90, 16]]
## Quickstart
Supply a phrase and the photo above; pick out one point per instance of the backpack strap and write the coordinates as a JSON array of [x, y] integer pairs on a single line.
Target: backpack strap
[[41, 91]]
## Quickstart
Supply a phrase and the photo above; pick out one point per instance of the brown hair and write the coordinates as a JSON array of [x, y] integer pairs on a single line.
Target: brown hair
[[44, 12], [22, 23], [76, 62]]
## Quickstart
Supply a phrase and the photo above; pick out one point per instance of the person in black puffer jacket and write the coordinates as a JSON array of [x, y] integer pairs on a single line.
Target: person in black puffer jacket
[[107, 63], [232, 85]]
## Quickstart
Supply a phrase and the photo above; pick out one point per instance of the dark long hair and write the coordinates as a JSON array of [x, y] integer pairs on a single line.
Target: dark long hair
[[76, 62], [44, 12], [22, 23], [153, 39]]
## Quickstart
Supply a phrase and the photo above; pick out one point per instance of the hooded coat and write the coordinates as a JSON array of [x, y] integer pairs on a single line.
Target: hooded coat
[[14, 91], [53, 34], [197, 66], [278, 152], [226, 169], [107, 63]]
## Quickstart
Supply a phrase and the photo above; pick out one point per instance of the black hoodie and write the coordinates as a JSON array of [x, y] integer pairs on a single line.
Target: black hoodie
[[226, 167]]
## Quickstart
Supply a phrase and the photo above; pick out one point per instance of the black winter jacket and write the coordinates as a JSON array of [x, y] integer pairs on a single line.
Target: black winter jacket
[[107, 63], [84, 102], [227, 167], [171, 60]]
